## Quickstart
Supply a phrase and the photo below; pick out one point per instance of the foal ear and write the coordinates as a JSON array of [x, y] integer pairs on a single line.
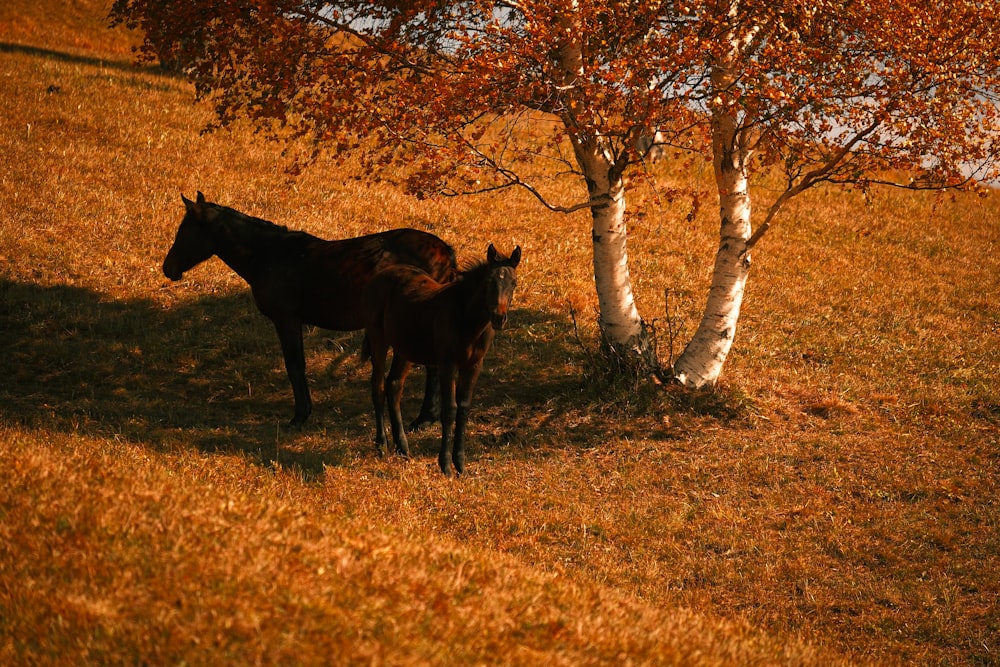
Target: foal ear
[[491, 254], [515, 257], [201, 197]]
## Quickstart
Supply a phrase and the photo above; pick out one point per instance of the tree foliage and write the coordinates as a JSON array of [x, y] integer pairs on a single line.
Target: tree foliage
[[899, 85], [474, 95]]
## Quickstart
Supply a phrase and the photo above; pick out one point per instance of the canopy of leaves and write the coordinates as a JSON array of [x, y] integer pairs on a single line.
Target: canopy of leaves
[[470, 93]]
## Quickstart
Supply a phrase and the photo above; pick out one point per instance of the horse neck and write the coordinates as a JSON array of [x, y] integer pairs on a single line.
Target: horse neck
[[240, 245], [469, 293]]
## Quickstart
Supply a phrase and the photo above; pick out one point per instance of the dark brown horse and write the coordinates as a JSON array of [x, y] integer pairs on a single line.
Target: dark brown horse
[[299, 279], [450, 326]]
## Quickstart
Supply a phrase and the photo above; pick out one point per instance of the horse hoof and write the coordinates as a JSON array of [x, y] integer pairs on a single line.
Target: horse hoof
[[421, 422]]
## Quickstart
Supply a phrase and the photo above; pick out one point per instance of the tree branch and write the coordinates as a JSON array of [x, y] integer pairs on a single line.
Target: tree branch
[[368, 41], [515, 181], [807, 181]]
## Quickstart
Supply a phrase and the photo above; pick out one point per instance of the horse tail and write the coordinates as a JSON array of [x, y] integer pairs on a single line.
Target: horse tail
[[366, 349]]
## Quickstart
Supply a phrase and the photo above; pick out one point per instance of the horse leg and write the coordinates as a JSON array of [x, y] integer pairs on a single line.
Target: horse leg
[[447, 379], [429, 409], [466, 383], [378, 353], [290, 336], [397, 378]]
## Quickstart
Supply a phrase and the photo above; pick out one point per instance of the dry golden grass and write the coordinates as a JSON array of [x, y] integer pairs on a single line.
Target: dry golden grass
[[835, 500]]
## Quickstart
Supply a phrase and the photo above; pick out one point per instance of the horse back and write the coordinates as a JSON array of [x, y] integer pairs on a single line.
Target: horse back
[[406, 291], [412, 247], [333, 275]]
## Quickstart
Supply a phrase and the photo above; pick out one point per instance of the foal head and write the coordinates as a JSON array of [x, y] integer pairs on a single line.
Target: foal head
[[193, 243], [501, 283]]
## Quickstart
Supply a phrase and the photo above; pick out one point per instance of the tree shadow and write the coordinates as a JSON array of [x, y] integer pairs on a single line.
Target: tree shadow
[[104, 63], [208, 374]]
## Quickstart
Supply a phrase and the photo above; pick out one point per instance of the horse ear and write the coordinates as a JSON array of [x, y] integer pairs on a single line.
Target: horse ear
[[491, 254], [515, 257], [197, 210]]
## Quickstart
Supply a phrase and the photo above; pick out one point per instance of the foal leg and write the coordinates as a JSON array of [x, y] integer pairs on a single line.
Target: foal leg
[[378, 353], [290, 336], [397, 378], [466, 383], [447, 378], [429, 409]]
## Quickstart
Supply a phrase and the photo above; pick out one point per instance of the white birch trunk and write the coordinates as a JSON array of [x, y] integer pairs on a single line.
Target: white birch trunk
[[701, 362], [621, 326]]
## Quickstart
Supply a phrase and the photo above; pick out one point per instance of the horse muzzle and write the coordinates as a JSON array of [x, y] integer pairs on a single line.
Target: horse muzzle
[[172, 271], [498, 320]]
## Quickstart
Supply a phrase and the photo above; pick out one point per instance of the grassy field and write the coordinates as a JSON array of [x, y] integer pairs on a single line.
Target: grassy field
[[835, 500]]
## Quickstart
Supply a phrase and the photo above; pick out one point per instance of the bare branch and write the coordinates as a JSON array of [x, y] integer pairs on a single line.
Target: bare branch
[[809, 180], [515, 181]]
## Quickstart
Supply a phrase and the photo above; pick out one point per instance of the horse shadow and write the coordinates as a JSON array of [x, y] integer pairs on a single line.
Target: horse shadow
[[208, 374]]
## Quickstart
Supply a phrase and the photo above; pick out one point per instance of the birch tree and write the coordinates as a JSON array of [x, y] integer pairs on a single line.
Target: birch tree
[[479, 95], [897, 93]]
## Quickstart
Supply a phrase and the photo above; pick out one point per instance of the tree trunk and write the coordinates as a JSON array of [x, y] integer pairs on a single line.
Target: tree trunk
[[624, 335], [701, 362], [623, 332]]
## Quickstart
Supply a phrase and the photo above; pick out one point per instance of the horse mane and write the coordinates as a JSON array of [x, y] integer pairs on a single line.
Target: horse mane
[[257, 229], [472, 275], [472, 269]]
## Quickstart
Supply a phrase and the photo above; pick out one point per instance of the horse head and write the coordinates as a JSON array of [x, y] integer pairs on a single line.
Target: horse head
[[193, 243], [503, 280]]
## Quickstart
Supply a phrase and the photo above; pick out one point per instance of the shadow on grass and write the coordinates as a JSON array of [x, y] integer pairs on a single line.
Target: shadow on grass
[[208, 374], [104, 63]]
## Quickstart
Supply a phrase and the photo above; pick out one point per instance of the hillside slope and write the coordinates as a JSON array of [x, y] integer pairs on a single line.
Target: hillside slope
[[837, 496]]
